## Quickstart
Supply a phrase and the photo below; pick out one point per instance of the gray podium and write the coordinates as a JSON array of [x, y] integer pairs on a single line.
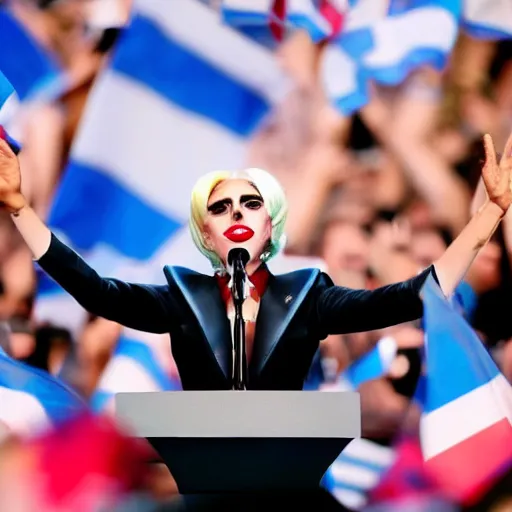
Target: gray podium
[[233, 442]]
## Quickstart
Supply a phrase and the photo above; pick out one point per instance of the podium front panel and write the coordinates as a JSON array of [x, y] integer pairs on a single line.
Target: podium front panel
[[244, 441], [241, 414]]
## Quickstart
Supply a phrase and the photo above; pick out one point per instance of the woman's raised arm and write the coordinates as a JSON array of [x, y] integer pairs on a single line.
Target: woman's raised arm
[[454, 263], [142, 307], [340, 310]]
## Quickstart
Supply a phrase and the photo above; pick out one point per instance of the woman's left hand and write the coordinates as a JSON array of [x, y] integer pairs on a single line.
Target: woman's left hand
[[497, 176]]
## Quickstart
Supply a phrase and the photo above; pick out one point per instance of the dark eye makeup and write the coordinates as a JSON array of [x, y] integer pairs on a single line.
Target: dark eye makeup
[[251, 201]]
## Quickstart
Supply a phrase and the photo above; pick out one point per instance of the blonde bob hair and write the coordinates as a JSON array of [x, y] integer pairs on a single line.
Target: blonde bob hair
[[274, 201]]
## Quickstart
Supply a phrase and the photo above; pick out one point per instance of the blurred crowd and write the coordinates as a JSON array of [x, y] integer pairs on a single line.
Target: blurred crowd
[[377, 196]]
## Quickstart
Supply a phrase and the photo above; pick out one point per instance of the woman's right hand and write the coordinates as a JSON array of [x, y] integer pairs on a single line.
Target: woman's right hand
[[10, 179]]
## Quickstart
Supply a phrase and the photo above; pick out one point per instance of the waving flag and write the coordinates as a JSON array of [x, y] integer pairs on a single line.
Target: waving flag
[[466, 430], [261, 20], [6, 90], [371, 40], [372, 365], [15, 146], [32, 71], [379, 40], [357, 470], [488, 19], [136, 365], [27, 65], [407, 485], [269, 21], [182, 96], [385, 41], [360, 466], [7, 94], [32, 400]]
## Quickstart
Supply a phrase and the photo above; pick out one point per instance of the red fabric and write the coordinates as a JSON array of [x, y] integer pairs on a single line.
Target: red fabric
[[327, 10], [470, 468], [86, 462], [408, 477], [3, 133], [333, 16], [277, 23], [259, 279]]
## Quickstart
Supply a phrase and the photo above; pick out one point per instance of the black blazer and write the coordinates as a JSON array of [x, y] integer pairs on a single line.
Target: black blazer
[[297, 310]]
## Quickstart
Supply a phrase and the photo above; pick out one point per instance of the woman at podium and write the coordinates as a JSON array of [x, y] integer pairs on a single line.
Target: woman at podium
[[284, 316]]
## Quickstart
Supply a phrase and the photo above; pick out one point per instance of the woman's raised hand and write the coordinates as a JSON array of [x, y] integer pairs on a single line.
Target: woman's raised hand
[[497, 175], [11, 197]]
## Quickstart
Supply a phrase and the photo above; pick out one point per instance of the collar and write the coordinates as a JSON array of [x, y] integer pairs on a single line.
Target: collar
[[259, 279]]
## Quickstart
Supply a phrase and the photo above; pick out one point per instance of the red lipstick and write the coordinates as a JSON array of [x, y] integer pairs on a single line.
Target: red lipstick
[[239, 233]]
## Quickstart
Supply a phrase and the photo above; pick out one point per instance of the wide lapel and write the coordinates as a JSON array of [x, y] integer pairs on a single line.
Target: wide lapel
[[203, 296], [279, 304]]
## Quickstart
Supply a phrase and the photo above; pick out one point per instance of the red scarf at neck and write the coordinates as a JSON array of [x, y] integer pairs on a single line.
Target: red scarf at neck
[[259, 279]]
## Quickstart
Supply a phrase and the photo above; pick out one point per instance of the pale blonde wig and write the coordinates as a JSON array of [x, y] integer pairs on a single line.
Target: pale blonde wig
[[274, 201]]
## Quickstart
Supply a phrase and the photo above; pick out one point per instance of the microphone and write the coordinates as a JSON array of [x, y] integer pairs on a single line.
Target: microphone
[[237, 260], [238, 254]]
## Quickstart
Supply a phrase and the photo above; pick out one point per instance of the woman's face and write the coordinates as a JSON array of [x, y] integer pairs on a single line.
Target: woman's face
[[237, 217]]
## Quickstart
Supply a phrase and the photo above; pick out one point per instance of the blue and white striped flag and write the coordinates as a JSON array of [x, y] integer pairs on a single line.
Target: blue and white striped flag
[[32, 400], [374, 364], [181, 97], [360, 466], [488, 19], [380, 40], [385, 41], [32, 71], [7, 98], [357, 471], [23, 60], [138, 364], [6, 90], [257, 18]]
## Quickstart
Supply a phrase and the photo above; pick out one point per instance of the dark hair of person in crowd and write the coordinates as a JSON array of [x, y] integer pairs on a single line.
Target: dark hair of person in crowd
[[47, 338]]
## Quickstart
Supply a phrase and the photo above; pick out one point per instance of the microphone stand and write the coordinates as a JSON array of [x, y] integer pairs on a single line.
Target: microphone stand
[[238, 292]]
